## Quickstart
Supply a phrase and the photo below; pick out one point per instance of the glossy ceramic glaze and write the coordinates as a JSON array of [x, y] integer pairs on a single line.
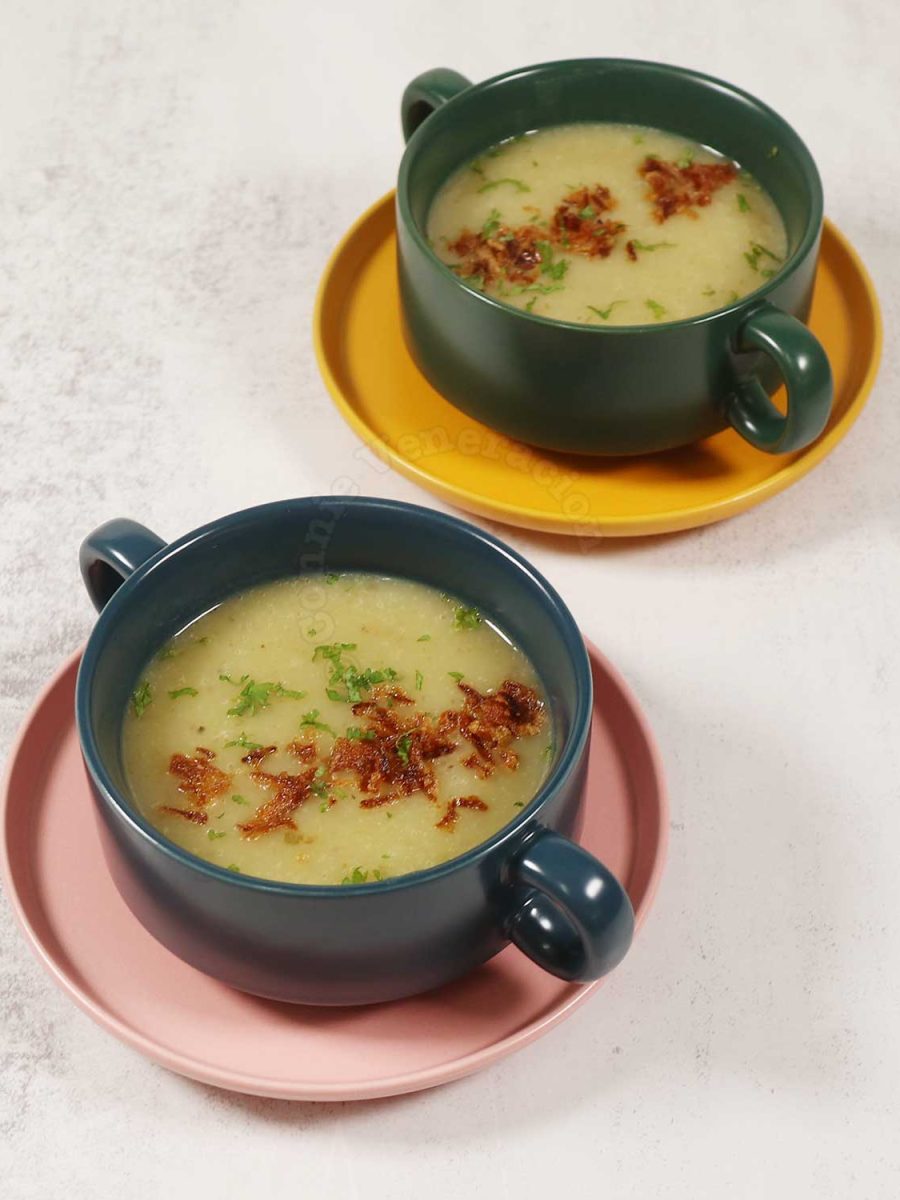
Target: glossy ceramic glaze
[[330, 945], [631, 389], [383, 396], [55, 879]]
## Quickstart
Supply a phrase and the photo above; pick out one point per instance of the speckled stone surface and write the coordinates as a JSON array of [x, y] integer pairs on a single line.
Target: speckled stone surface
[[172, 178]]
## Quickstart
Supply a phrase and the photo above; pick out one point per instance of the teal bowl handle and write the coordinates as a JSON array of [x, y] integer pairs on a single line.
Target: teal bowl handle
[[113, 552], [570, 914], [806, 373], [427, 92]]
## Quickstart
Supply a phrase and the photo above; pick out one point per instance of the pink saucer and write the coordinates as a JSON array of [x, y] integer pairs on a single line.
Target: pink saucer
[[99, 954]]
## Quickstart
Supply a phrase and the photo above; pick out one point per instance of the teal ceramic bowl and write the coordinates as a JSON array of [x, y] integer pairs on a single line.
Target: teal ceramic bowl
[[615, 390], [529, 883]]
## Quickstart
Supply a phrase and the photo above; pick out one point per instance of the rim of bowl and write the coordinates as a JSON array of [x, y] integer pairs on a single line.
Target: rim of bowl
[[811, 233], [566, 760]]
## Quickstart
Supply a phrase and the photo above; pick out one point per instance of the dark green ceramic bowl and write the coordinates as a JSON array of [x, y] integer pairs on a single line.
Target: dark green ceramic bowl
[[622, 389], [528, 883]]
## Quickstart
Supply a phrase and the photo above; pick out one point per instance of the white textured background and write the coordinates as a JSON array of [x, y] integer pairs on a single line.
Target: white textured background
[[172, 178]]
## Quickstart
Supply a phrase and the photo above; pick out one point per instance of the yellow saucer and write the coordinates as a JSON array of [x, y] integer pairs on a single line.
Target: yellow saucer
[[378, 389]]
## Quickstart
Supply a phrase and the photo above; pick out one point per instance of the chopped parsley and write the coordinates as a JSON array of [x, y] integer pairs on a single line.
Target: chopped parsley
[[708, 291], [402, 747], [346, 682], [495, 183], [554, 268], [310, 720], [254, 696], [587, 213], [167, 652], [420, 679], [742, 203], [638, 139], [773, 152], [141, 698], [239, 799], [547, 752], [324, 806], [244, 742], [185, 691], [492, 224], [457, 675], [604, 313], [657, 309], [647, 246], [476, 167], [686, 159], [355, 734], [466, 618], [215, 834], [426, 637], [758, 251], [519, 804], [531, 303], [358, 875], [234, 867], [331, 578]]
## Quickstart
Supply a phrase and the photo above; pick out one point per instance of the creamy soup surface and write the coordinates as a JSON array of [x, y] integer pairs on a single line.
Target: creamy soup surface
[[336, 729], [607, 224]]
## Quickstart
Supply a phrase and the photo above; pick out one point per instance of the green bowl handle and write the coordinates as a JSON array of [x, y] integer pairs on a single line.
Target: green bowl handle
[[427, 92], [807, 376]]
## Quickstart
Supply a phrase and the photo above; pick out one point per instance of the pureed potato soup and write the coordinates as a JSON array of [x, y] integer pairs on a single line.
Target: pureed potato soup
[[395, 729], [607, 224]]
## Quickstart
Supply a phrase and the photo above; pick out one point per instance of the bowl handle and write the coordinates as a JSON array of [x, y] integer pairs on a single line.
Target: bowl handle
[[111, 553], [427, 92], [571, 915], [807, 376]]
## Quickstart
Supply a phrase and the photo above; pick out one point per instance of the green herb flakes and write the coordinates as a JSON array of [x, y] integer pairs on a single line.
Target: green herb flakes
[[238, 799], [355, 734], [358, 875], [244, 742], [465, 617], [184, 691], [457, 675], [756, 252], [495, 183], [403, 747], [331, 578], [492, 224], [604, 313], [420, 679], [255, 696], [215, 834], [425, 637], [310, 720], [657, 309], [650, 246], [742, 203], [141, 698], [347, 683]]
